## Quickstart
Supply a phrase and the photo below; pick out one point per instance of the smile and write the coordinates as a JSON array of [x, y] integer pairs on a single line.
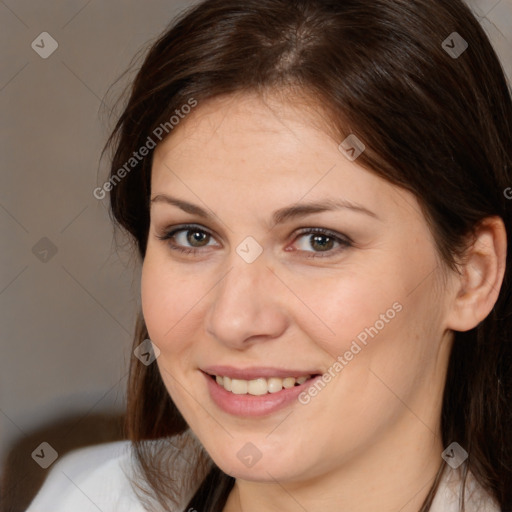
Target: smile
[[259, 386], [262, 392]]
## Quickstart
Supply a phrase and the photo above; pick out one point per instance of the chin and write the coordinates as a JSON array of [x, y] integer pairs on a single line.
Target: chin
[[249, 463], [261, 472]]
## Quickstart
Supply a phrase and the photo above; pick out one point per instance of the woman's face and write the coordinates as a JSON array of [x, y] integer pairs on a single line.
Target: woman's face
[[297, 262]]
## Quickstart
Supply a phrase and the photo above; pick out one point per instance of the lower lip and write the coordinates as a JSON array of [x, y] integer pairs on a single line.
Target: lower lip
[[254, 405]]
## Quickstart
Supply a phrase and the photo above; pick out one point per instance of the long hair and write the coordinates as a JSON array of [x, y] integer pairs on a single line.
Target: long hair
[[420, 84]]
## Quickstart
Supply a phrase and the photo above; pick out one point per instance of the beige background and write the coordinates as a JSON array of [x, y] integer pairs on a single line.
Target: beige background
[[66, 323]]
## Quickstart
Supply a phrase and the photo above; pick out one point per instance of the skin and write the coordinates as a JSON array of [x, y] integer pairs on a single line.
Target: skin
[[370, 440]]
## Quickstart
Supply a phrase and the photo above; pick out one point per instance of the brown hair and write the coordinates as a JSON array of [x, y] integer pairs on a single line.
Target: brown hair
[[434, 123]]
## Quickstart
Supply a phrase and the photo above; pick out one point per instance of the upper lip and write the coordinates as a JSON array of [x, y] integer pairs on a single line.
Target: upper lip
[[256, 372]]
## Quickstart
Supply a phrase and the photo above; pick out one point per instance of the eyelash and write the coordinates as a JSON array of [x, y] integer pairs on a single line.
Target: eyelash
[[343, 241]]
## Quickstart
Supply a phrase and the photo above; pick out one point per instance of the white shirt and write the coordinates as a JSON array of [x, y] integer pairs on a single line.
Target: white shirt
[[89, 479], [96, 479]]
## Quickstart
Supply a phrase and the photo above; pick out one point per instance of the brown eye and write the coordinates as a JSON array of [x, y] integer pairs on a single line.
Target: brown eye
[[318, 240], [197, 237], [322, 242], [187, 239]]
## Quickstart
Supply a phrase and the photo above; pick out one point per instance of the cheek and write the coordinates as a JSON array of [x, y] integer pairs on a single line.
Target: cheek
[[166, 297], [387, 342], [374, 323], [167, 305], [343, 308], [154, 298]]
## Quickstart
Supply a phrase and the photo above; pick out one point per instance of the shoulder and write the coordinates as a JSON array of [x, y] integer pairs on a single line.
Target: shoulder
[[449, 493], [89, 479]]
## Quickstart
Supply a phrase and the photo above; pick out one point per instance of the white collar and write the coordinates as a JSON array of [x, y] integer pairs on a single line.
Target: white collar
[[448, 495]]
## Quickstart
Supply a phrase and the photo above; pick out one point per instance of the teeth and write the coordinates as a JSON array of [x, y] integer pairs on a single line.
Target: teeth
[[274, 385], [259, 386], [289, 382], [239, 387]]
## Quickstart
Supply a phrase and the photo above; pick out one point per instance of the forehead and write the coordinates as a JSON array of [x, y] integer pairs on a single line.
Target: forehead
[[266, 149], [247, 119]]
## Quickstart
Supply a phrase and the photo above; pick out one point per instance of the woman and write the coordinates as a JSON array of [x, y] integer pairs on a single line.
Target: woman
[[317, 191]]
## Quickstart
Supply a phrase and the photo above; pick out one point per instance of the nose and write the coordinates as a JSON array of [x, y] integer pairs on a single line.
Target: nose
[[247, 306]]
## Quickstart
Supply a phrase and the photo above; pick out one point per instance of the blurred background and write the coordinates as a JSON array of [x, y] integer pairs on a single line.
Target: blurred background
[[68, 293]]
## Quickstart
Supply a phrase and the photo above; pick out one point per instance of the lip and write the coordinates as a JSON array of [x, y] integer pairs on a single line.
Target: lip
[[251, 405], [257, 372]]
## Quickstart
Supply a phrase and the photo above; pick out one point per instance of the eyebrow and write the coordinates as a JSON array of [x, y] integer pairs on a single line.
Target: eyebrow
[[279, 216]]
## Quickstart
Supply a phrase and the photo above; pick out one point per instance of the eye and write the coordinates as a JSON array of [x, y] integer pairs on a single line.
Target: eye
[[187, 239], [319, 240]]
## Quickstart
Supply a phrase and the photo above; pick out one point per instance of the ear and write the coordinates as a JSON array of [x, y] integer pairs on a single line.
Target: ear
[[477, 288]]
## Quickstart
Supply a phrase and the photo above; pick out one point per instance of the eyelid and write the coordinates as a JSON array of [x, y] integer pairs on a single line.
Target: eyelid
[[170, 232], [344, 241], [324, 231]]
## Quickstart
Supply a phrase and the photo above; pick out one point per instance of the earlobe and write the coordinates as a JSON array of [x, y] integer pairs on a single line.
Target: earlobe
[[482, 272]]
